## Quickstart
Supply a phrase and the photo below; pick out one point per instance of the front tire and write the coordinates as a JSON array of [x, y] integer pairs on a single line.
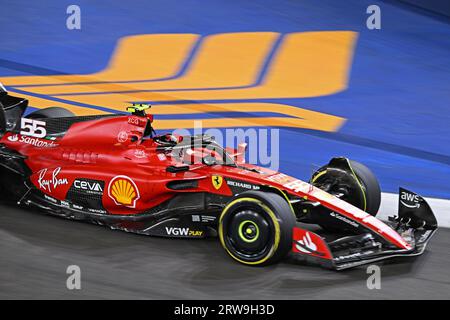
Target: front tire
[[256, 227], [358, 184]]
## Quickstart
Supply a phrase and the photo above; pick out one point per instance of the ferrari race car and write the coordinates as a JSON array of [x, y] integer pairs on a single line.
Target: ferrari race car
[[114, 170]]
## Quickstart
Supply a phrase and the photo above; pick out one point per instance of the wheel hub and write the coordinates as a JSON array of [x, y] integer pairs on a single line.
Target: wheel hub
[[251, 233]]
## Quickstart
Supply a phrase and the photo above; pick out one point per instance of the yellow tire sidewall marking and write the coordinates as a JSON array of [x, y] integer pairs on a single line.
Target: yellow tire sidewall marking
[[319, 175], [354, 175], [359, 184]]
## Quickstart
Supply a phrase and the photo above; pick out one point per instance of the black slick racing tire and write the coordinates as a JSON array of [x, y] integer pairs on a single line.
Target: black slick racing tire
[[361, 186], [370, 185], [255, 228], [52, 112]]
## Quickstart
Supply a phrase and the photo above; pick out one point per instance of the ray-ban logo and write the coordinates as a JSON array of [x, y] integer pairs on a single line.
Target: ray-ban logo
[[52, 182]]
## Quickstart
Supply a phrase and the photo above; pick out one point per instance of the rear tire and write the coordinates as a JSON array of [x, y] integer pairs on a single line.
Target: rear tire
[[256, 227], [52, 112]]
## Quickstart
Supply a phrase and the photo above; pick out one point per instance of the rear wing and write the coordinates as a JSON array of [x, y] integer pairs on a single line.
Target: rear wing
[[11, 111]]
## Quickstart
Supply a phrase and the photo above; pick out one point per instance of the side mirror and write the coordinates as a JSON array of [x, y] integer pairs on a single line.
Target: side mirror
[[209, 160], [240, 154]]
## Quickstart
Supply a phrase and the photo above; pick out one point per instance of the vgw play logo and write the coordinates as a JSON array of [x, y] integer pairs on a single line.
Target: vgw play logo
[[237, 79]]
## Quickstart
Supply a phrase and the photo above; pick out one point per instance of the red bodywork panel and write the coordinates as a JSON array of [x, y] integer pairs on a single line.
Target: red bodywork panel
[[308, 243], [113, 150], [314, 194]]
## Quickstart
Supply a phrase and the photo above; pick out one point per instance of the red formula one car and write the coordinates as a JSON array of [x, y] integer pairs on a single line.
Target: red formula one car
[[114, 170]]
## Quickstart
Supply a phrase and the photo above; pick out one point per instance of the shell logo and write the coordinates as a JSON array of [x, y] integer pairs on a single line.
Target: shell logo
[[123, 191]]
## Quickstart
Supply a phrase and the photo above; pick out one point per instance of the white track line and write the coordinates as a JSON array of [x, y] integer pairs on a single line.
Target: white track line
[[440, 207]]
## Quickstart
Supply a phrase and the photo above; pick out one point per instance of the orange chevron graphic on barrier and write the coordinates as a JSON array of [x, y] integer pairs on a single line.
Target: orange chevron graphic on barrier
[[225, 67], [223, 60], [149, 56]]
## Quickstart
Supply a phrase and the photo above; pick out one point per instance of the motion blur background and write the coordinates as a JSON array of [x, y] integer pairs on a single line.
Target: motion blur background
[[310, 68], [389, 87]]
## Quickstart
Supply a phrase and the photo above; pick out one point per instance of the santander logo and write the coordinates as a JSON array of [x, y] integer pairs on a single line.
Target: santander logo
[[13, 138], [306, 245]]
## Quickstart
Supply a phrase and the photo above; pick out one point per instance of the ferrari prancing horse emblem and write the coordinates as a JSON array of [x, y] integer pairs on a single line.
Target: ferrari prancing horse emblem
[[217, 181]]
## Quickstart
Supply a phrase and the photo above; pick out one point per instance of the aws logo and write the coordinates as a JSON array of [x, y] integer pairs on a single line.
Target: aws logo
[[185, 72], [123, 191], [409, 199]]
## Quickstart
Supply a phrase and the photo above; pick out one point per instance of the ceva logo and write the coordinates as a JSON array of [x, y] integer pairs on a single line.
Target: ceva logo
[[89, 186]]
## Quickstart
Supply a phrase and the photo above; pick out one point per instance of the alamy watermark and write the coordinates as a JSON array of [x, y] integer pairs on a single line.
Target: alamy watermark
[[262, 144], [73, 21], [73, 281], [374, 279], [373, 22]]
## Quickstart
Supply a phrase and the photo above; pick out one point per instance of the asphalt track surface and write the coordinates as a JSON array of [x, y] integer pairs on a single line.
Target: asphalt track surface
[[36, 249]]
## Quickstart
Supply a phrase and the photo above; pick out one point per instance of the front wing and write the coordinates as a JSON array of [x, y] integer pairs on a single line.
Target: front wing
[[416, 224]]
